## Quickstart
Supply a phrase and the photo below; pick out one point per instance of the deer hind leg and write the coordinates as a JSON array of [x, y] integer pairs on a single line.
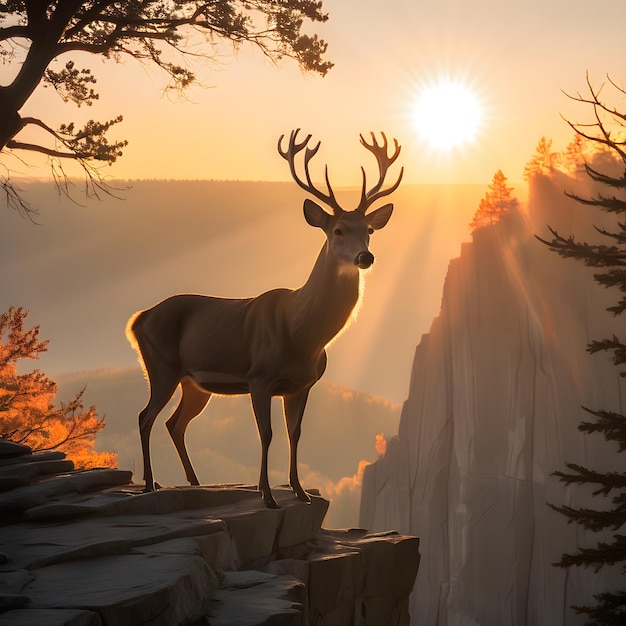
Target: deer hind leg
[[161, 390], [192, 401], [293, 407], [262, 405]]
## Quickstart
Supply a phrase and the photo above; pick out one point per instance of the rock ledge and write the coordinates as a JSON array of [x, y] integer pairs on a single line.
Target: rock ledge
[[87, 548]]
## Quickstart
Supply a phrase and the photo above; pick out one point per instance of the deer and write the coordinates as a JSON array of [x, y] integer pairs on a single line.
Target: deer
[[265, 346]]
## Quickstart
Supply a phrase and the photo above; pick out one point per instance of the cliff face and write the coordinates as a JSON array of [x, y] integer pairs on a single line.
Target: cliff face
[[495, 398]]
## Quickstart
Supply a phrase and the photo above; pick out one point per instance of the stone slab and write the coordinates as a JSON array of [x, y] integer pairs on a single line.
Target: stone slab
[[125, 590], [252, 598], [35, 457], [12, 482], [132, 501], [31, 545], [50, 617], [23, 498], [213, 548], [30, 471], [12, 449]]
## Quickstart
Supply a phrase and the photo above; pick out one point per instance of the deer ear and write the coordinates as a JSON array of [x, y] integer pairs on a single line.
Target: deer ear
[[378, 219], [315, 215]]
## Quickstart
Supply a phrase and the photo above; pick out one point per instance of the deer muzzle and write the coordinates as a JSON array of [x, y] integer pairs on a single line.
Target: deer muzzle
[[364, 259]]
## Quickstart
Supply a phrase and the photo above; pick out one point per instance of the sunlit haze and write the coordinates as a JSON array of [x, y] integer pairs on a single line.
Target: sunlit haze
[[516, 59]]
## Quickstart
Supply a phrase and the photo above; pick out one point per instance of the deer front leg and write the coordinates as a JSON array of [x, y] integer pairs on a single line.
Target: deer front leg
[[262, 405], [293, 407]]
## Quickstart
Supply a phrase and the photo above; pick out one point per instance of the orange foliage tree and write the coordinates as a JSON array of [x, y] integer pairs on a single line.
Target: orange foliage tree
[[496, 202], [27, 415]]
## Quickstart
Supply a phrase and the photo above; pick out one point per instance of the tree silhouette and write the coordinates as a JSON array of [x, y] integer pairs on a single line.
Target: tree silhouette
[[610, 259], [497, 201], [576, 154], [27, 415], [544, 161], [35, 34]]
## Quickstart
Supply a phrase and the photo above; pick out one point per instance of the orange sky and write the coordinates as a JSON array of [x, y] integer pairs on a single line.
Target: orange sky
[[516, 57]]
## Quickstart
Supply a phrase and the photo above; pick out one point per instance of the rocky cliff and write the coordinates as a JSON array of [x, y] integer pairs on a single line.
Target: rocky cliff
[[87, 548], [495, 398]]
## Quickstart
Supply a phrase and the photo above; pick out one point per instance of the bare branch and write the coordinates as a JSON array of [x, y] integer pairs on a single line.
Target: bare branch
[[598, 105]]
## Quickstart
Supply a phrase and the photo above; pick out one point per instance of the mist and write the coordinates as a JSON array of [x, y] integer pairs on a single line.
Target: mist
[[84, 270]]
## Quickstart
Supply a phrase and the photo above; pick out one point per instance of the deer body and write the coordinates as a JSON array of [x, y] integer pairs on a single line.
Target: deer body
[[271, 345]]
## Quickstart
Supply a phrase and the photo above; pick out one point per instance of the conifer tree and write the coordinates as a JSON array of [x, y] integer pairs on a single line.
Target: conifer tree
[[27, 415], [544, 161], [609, 257], [498, 201]]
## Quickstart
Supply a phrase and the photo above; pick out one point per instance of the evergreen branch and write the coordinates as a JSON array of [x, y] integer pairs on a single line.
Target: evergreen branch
[[620, 237], [590, 519], [604, 179], [32, 147], [107, 29], [614, 344], [73, 84], [612, 425], [82, 145], [608, 481], [604, 554], [619, 308], [612, 204], [610, 610], [613, 278], [592, 255]]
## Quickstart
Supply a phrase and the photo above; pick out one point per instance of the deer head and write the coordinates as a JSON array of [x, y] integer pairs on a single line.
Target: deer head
[[347, 232]]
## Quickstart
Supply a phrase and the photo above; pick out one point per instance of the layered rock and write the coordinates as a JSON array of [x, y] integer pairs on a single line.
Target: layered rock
[[496, 392], [88, 548]]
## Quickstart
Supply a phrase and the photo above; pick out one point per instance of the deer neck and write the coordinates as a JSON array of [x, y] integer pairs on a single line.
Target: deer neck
[[325, 303]]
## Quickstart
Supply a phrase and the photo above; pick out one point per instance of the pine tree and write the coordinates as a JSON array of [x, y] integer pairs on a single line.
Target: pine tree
[[497, 202], [544, 161], [27, 415], [576, 154], [609, 257]]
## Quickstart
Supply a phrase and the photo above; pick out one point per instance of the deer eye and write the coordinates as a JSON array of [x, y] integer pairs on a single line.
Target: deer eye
[[338, 232]]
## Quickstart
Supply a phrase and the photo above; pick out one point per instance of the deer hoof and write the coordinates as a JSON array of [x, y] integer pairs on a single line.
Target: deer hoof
[[305, 498], [302, 495], [270, 503]]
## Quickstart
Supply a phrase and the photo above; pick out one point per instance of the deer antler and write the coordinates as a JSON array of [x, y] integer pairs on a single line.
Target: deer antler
[[290, 154], [384, 162]]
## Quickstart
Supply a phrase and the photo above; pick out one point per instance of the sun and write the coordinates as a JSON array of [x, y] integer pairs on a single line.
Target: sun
[[447, 114]]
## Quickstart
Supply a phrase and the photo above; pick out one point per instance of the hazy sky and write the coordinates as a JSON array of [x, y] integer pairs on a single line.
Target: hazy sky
[[516, 57]]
